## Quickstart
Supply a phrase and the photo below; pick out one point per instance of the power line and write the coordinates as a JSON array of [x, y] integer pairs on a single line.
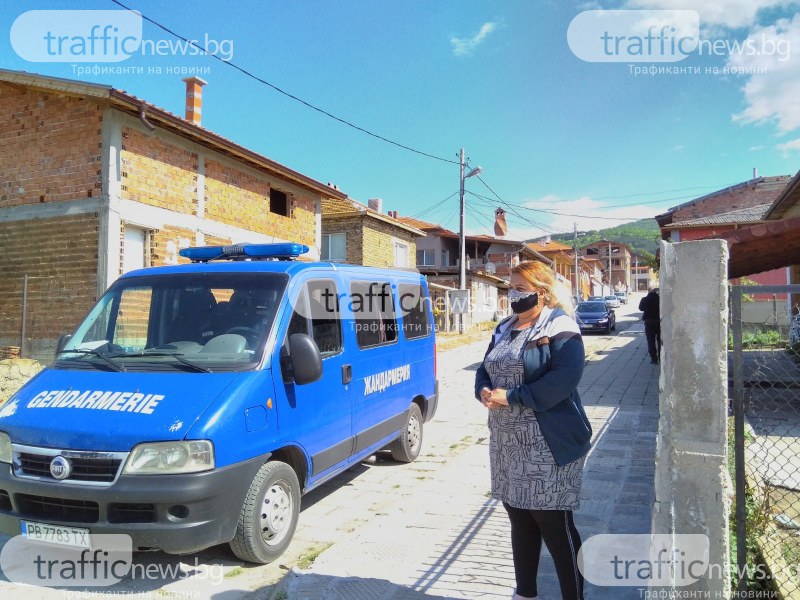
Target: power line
[[284, 92], [542, 226], [519, 219], [553, 212], [432, 208]]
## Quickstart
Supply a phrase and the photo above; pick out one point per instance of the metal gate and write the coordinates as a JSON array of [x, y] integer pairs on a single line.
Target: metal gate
[[764, 349]]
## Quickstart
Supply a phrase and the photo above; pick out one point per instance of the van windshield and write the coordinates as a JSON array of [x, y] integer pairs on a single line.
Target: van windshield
[[201, 322]]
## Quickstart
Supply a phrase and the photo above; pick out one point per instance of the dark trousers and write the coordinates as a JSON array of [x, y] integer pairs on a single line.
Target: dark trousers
[[652, 331], [557, 529]]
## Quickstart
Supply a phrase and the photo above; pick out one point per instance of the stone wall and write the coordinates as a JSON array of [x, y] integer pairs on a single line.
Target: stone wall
[[14, 374]]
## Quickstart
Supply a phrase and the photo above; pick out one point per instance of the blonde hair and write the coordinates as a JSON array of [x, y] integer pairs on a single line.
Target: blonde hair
[[556, 294]]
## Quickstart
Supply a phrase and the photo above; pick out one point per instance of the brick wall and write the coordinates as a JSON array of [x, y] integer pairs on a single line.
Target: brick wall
[[237, 197], [351, 227], [165, 244], [60, 257], [379, 240], [49, 147], [157, 173]]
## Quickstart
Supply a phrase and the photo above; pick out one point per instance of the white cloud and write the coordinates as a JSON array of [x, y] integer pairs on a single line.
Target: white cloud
[[727, 13], [771, 92], [589, 214], [678, 148], [466, 46], [788, 148]]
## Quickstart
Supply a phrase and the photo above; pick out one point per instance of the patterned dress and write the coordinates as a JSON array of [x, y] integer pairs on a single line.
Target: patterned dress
[[524, 472]]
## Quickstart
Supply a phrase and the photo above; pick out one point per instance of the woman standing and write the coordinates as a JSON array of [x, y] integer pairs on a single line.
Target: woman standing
[[539, 432]]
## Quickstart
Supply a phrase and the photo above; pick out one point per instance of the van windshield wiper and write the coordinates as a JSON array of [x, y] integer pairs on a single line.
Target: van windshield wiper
[[92, 352], [178, 357]]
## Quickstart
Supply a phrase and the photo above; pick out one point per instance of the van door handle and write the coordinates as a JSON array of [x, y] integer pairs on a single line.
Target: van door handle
[[347, 374]]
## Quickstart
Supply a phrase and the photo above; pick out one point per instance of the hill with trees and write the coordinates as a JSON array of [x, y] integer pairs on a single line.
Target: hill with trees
[[641, 236]]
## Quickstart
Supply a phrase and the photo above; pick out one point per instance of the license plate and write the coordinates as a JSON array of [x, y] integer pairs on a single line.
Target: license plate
[[55, 534]]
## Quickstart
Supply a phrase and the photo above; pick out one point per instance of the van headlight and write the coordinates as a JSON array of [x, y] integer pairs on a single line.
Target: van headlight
[[5, 448], [170, 458]]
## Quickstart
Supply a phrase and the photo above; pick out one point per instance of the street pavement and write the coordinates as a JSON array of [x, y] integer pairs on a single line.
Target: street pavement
[[434, 532], [388, 531]]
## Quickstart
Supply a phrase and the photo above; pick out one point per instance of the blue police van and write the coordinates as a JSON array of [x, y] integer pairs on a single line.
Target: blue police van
[[196, 403]]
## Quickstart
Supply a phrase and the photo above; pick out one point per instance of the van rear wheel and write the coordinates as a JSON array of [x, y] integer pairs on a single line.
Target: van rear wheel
[[269, 514], [406, 448]]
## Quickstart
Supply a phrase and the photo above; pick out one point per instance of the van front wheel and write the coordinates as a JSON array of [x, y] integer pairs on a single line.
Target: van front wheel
[[269, 514], [406, 448]]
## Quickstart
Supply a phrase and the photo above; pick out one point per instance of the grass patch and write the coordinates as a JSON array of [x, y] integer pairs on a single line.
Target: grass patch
[[235, 572], [308, 557], [453, 339], [757, 519]]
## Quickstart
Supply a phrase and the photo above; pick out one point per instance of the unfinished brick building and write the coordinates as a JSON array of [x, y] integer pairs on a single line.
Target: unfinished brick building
[[95, 182]]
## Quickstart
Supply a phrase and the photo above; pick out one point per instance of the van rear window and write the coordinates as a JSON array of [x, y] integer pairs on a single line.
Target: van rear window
[[373, 308], [414, 311]]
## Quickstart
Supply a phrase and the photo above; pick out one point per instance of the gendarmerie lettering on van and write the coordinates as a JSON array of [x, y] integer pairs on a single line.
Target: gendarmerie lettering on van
[[246, 376]]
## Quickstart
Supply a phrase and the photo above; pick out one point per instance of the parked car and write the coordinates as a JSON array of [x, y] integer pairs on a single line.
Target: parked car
[[595, 299], [612, 301], [595, 316], [623, 297]]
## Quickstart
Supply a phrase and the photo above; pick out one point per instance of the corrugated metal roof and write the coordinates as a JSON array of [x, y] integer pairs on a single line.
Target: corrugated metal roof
[[752, 214]]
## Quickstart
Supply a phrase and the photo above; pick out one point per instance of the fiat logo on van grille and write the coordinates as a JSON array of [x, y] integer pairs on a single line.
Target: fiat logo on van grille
[[60, 468]]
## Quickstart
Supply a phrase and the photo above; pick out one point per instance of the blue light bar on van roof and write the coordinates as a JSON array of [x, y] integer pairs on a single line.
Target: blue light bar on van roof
[[283, 251]]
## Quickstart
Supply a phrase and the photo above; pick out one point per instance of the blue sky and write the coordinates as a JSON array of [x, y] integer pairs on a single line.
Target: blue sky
[[592, 140]]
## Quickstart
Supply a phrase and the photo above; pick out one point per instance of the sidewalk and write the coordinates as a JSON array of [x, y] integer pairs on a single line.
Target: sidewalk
[[446, 538]]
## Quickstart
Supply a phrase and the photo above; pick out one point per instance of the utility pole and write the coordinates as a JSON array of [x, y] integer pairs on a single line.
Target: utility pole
[[578, 294], [462, 245], [462, 254]]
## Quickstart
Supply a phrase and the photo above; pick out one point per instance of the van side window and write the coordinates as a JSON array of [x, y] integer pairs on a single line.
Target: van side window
[[326, 324], [414, 310], [373, 308]]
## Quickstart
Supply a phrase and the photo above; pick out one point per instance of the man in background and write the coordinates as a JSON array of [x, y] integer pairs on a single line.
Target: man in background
[[650, 306]]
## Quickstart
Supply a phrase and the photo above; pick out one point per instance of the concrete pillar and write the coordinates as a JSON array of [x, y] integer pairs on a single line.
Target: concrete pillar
[[691, 479]]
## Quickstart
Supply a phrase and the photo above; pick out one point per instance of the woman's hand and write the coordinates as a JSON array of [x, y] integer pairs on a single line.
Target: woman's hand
[[493, 399]]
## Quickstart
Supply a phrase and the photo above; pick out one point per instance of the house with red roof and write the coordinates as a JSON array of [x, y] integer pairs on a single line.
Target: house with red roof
[[488, 267], [747, 211]]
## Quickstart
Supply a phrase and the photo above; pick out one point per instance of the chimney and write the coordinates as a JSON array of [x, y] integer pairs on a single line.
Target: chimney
[[194, 99], [755, 172], [375, 204]]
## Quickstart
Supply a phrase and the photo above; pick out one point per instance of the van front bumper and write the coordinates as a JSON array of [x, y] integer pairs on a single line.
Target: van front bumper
[[178, 514]]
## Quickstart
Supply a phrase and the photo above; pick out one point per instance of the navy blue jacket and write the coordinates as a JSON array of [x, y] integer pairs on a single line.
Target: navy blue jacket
[[553, 365]]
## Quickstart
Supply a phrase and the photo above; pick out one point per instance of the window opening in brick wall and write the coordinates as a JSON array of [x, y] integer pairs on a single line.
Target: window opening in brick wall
[[278, 203], [334, 247]]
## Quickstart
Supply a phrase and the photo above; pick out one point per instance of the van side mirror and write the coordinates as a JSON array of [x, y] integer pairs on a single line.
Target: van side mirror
[[62, 342], [304, 362]]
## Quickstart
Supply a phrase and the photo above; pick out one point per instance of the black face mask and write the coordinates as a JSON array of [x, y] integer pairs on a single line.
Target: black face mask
[[522, 301]]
